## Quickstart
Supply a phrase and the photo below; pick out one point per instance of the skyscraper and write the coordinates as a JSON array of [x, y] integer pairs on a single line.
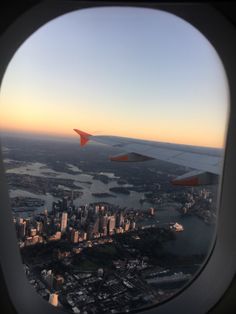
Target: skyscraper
[[120, 220], [64, 221], [111, 224], [53, 299], [64, 203], [39, 226], [96, 225], [127, 225], [151, 211], [74, 236], [103, 221], [22, 229], [96, 209]]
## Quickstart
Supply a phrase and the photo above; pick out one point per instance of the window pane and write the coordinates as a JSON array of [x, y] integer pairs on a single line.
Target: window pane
[[121, 214]]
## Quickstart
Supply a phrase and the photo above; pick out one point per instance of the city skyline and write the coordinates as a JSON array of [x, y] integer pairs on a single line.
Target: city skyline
[[130, 72], [99, 237]]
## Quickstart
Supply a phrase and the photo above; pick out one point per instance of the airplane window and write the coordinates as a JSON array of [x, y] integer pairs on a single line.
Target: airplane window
[[113, 124]]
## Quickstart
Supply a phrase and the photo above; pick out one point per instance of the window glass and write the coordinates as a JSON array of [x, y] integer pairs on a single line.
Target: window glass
[[113, 124]]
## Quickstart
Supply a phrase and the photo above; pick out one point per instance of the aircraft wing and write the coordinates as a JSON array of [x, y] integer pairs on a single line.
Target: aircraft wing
[[205, 161]]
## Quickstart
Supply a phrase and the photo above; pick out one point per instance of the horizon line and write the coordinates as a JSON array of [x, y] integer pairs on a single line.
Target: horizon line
[[51, 135]]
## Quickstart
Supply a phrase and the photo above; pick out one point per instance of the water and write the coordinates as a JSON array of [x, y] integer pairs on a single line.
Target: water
[[86, 181], [48, 198], [195, 239]]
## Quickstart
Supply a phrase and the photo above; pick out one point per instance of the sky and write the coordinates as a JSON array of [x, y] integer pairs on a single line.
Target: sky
[[131, 72]]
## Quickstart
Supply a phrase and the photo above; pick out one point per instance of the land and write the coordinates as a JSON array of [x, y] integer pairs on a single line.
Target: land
[[106, 258], [38, 185], [17, 202], [151, 177], [113, 274]]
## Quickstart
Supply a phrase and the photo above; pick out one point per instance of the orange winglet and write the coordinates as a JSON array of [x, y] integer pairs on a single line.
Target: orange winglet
[[192, 181], [120, 158], [84, 137]]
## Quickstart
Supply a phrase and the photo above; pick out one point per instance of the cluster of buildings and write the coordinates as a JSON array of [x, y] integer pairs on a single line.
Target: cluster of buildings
[[201, 203], [86, 226], [123, 286], [101, 291], [97, 291], [76, 224]]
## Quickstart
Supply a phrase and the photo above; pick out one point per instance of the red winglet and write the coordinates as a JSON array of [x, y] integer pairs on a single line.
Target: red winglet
[[192, 181], [84, 137]]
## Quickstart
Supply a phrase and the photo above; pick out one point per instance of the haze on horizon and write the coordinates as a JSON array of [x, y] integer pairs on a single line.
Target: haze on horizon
[[130, 72]]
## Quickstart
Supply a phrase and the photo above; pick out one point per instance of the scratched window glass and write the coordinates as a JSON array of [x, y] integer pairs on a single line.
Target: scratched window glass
[[113, 124]]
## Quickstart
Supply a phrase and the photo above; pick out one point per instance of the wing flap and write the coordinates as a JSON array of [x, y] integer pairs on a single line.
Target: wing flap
[[195, 178], [130, 157]]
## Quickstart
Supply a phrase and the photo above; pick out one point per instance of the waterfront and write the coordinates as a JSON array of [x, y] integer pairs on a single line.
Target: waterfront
[[83, 180], [132, 246], [197, 236]]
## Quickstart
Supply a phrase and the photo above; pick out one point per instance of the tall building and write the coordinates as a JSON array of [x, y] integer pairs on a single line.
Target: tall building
[[104, 231], [39, 226], [74, 236], [120, 220], [96, 209], [96, 225], [151, 211], [103, 221], [64, 203], [111, 224], [90, 231], [127, 225], [46, 223], [22, 229], [64, 221], [53, 299]]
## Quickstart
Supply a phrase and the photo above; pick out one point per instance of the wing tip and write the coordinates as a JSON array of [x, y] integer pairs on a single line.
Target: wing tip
[[84, 137]]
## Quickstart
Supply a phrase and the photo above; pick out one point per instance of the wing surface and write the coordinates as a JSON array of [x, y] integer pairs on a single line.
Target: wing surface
[[201, 158]]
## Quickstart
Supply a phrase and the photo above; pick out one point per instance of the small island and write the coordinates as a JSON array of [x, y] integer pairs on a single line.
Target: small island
[[102, 178], [103, 195], [28, 203], [120, 190]]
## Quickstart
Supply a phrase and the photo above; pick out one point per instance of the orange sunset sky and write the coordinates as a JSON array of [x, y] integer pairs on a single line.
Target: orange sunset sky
[[117, 71]]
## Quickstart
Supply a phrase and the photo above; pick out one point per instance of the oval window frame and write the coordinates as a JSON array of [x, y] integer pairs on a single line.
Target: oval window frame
[[214, 27]]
